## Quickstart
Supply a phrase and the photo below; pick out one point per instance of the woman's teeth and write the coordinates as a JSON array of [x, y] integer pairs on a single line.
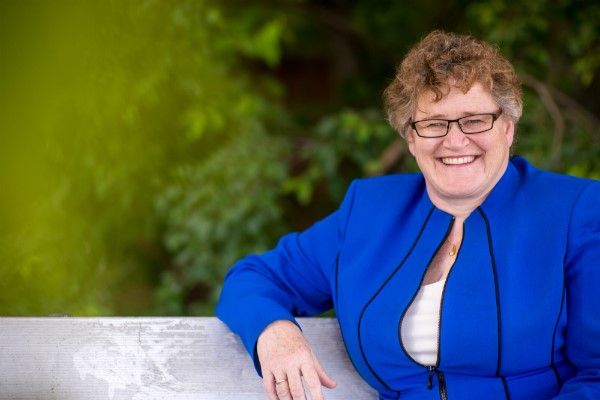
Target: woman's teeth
[[457, 160]]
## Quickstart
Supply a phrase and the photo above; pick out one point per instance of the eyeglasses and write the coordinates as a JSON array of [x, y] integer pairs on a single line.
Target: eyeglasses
[[435, 128]]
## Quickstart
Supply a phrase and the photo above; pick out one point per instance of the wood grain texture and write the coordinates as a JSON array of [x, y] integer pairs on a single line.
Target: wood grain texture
[[149, 358]]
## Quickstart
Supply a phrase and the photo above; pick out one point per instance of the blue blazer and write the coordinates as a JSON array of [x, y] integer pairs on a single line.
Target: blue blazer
[[520, 313]]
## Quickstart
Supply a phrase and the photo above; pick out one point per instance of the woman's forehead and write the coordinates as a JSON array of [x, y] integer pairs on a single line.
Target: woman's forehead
[[455, 102]]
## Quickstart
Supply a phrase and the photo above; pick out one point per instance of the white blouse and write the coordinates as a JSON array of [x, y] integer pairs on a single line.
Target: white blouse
[[420, 326]]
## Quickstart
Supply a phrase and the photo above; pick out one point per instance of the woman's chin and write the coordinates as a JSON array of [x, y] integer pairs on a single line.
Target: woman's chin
[[459, 190]]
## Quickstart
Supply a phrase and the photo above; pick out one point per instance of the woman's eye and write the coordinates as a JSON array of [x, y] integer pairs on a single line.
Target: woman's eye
[[473, 121], [435, 124]]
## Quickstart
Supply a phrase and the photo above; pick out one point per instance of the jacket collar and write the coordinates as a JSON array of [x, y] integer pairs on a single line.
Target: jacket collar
[[504, 192], [499, 198]]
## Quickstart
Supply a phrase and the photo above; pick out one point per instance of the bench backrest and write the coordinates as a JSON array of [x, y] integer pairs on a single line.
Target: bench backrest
[[149, 358]]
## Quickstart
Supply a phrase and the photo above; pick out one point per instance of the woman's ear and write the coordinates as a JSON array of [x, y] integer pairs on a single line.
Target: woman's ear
[[410, 140], [509, 131]]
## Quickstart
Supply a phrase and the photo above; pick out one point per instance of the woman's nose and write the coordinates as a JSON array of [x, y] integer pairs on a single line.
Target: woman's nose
[[455, 136]]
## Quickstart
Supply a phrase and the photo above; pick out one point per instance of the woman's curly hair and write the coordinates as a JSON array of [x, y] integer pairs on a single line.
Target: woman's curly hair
[[443, 60]]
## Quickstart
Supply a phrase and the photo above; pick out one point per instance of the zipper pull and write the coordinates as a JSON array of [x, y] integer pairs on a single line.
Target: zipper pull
[[430, 377]]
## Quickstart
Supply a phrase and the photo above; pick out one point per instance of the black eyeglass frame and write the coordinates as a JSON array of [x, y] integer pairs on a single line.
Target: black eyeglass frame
[[495, 116]]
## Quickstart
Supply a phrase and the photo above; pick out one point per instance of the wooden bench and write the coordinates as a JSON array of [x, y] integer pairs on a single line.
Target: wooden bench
[[149, 358]]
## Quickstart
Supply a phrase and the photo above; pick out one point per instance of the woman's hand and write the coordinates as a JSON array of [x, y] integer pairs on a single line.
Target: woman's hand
[[285, 356]]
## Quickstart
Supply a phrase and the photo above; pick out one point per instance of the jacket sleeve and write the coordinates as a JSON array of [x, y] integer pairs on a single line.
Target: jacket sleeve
[[293, 279], [583, 299]]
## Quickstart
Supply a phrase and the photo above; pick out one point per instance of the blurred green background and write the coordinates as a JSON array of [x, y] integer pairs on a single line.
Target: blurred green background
[[146, 145]]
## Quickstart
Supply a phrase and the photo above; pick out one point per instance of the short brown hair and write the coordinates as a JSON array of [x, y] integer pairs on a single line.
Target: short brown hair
[[441, 60]]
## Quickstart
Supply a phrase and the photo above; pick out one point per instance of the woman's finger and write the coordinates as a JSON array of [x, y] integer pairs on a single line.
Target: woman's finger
[[312, 381], [269, 385], [325, 379], [295, 386], [282, 388]]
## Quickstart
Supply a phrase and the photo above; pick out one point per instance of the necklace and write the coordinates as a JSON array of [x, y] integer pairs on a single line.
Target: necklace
[[453, 249]]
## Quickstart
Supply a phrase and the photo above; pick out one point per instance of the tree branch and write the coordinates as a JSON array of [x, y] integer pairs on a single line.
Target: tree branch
[[389, 157], [555, 113]]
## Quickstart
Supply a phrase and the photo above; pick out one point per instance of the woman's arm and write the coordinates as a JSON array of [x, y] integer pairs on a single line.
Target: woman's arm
[[293, 279], [583, 297]]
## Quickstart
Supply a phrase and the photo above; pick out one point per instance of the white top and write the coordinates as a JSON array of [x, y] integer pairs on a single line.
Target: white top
[[420, 326]]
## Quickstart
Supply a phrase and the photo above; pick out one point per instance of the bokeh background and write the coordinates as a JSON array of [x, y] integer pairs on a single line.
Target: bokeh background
[[145, 145]]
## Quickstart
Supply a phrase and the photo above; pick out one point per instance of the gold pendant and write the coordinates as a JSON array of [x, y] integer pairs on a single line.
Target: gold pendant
[[452, 251]]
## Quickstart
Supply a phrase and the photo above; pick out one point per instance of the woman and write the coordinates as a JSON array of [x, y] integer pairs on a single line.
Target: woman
[[475, 279]]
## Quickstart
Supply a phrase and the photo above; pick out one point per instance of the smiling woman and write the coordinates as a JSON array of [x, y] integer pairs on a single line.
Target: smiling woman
[[444, 279]]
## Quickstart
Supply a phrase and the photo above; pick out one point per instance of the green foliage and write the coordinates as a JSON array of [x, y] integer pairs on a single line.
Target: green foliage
[[346, 145], [131, 91], [216, 212], [554, 40]]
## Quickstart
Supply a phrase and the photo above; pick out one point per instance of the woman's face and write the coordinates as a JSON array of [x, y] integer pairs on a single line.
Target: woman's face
[[459, 167]]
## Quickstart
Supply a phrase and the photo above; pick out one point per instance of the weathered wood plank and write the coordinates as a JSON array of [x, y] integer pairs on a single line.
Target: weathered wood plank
[[148, 358]]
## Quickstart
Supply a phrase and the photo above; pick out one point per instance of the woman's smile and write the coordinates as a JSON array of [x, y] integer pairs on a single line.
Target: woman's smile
[[457, 160]]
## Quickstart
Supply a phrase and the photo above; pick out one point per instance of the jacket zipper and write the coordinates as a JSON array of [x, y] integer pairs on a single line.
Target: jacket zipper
[[434, 369], [442, 383]]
